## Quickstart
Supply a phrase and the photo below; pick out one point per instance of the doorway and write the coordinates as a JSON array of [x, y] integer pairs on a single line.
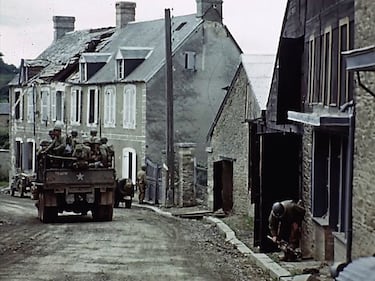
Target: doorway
[[223, 185]]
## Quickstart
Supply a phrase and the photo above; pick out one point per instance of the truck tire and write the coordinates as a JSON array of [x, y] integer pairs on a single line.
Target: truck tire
[[102, 213], [46, 214]]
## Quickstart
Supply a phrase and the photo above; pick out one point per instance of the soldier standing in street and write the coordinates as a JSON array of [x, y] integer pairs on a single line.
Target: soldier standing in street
[[285, 222], [141, 184]]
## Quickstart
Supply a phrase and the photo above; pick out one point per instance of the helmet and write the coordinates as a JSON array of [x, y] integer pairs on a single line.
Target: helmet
[[44, 143], [74, 132], [278, 209], [103, 140], [93, 132], [57, 128]]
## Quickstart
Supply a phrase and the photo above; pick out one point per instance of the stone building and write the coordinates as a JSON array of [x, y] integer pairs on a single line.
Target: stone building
[[363, 63], [228, 148], [113, 80]]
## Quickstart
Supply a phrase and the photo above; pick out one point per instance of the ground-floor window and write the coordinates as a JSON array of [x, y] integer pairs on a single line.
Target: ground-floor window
[[329, 178]]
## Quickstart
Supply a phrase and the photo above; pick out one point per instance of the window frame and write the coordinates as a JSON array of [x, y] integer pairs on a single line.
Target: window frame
[[110, 107], [120, 68], [45, 104], [190, 60], [129, 106], [76, 105], [311, 69], [31, 101], [94, 107], [55, 106], [326, 70], [343, 22], [18, 107], [83, 71]]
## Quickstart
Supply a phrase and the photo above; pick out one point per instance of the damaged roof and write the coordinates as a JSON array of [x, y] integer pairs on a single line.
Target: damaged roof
[[137, 40]]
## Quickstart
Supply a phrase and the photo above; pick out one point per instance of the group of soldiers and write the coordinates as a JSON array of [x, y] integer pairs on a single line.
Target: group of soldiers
[[89, 151]]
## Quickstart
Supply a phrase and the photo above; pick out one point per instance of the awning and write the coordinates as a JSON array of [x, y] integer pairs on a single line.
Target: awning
[[315, 119], [362, 59]]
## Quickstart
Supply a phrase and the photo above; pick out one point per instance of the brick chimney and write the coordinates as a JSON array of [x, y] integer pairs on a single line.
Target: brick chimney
[[62, 25], [211, 10], [125, 13]]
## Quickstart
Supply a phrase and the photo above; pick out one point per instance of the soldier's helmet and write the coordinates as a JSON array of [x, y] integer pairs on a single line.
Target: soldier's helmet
[[278, 210], [86, 141], [44, 143], [74, 132], [57, 127], [103, 140], [143, 167], [93, 132]]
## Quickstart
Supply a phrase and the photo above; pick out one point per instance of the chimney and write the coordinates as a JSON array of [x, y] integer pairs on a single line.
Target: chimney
[[125, 13], [210, 10], [62, 25]]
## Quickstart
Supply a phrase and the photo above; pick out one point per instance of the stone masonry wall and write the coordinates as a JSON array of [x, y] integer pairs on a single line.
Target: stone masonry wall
[[307, 227], [230, 140], [364, 152]]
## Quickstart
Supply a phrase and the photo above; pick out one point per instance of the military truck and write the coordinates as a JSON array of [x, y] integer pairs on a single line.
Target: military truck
[[61, 186]]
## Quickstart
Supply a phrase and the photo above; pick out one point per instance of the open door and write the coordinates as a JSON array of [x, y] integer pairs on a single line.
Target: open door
[[223, 185]]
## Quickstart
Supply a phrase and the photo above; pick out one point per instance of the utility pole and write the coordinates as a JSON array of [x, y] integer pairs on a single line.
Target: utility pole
[[169, 98]]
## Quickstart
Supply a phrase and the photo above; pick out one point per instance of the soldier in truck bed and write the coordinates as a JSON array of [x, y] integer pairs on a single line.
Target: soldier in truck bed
[[57, 147]]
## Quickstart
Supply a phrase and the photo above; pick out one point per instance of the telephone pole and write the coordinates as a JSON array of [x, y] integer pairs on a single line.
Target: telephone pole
[[169, 98]]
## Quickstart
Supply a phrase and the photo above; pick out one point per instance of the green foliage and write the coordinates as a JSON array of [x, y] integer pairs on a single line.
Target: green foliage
[[7, 72]]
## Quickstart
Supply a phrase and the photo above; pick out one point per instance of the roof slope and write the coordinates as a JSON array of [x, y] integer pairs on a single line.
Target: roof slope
[[147, 34], [259, 70]]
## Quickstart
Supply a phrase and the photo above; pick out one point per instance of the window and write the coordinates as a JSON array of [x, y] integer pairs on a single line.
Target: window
[[45, 105], [18, 105], [76, 106], [30, 105], [109, 107], [121, 69], [190, 60], [326, 66], [18, 153], [29, 152], [83, 71], [329, 174], [129, 107], [92, 106], [311, 69], [57, 106], [343, 81]]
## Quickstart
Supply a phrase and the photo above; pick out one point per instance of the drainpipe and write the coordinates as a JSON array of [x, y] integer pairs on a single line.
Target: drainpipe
[[349, 188]]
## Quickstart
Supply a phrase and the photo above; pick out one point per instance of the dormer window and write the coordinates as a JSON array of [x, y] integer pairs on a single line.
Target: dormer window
[[83, 71], [91, 63], [128, 59], [120, 68]]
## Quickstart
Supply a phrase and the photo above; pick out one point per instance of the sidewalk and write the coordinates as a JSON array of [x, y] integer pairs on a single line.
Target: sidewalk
[[284, 271]]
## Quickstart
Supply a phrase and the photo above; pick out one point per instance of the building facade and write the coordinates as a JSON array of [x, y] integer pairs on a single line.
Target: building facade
[[113, 80]]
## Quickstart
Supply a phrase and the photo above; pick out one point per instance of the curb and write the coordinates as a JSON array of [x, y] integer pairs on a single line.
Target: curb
[[261, 260]]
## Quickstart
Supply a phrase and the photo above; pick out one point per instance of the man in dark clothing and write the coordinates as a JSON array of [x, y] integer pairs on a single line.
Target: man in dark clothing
[[285, 222]]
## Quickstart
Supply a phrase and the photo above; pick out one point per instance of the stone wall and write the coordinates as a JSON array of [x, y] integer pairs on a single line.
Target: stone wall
[[307, 227], [229, 140], [364, 152]]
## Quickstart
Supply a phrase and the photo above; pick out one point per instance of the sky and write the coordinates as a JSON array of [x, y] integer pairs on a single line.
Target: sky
[[26, 26]]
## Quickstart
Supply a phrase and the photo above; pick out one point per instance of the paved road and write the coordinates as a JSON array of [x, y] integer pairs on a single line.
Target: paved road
[[137, 245]]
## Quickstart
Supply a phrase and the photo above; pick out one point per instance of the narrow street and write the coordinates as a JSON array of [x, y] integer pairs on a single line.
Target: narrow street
[[137, 245]]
